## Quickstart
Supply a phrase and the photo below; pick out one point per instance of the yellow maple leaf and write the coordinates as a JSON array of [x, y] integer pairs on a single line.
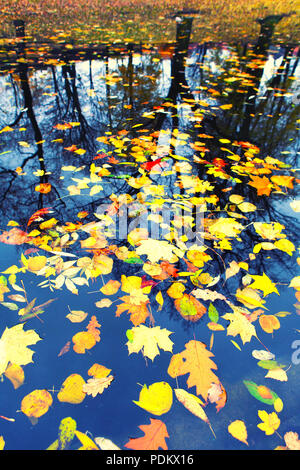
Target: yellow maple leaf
[[148, 340], [13, 346], [239, 325], [158, 249], [263, 283], [270, 422]]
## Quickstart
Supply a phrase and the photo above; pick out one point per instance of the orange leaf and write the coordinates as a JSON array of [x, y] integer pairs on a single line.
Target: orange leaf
[[110, 288], [154, 438], [262, 185], [189, 307], [43, 188], [196, 361], [93, 328], [269, 323], [83, 340]]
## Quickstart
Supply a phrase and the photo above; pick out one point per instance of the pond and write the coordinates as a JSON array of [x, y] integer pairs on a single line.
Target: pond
[[149, 279]]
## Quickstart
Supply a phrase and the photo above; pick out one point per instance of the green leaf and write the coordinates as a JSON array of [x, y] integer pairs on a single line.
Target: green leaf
[[270, 364], [134, 261], [213, 313], [66, 432], [130, 334], [257, 392]]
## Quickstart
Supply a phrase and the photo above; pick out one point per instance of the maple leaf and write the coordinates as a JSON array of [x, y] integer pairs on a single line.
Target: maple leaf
[[154, 438], [13, 346], [138, 313], [263, 283], [270, 422], [262, 185], [158, 249], [196, 361], [225, 227], [239, 325], [292, 440], [148, 340], [96, 385]]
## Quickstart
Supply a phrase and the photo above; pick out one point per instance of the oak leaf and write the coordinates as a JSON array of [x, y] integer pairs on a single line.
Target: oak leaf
[[96, 386], [195, 360], [154, 438]]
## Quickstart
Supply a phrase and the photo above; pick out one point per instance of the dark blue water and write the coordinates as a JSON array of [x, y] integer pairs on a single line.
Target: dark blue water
[[113, 414]]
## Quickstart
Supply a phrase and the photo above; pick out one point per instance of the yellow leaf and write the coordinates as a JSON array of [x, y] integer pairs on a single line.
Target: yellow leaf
[[270, 422], [103, 303], [71, 390], [95, 190], [83, 340], [278, 405], [193, 404], [286, 246], [263, 283], [215, 326], [15, 374], [98, 371], [110, 288], [176, 290], [157, 399], [148, 340], [36, 403], [239, 325], [13, 346], [238, 430], [235, 344], [2, 443], [86, 441], [159, 299]]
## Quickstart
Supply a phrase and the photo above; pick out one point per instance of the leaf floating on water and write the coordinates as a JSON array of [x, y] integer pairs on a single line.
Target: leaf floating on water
[[86, 441], [277, 374], [157, 398], [106, 444], [14, 344], [71, 390], [262, 354], [238, 430], [76, 316], [15, 374], [193, 404], [148, 340], [155, 435], [36, 404], [96, 386]]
